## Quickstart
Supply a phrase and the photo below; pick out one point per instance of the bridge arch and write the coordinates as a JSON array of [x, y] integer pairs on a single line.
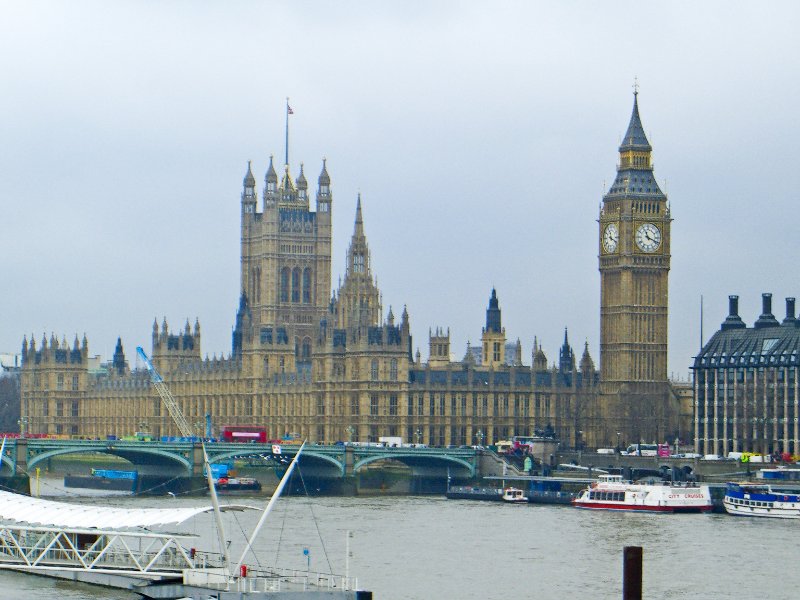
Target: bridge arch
[[7, 461], [171, 456], [410, 459]]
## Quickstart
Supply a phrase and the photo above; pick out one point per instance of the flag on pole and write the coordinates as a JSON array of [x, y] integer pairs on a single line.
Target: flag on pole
[[289, 110]]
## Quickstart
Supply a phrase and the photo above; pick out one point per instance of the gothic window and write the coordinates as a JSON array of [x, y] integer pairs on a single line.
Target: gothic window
[[74, 382], [393, 405], [306, 286], [393, 369], [354, 408], [496, 352], [320, 405], [285, 284], [60, 381], [374, 370], [74, 408], [59, 409], [46, 408], [296, 285], [373, 405], [306, 351], [358, 263]]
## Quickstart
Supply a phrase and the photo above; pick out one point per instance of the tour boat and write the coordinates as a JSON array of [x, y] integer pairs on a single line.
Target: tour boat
[[761, 500], [513, 494], [611, 492]]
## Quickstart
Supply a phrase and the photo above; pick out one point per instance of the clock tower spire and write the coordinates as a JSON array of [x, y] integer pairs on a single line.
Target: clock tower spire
[[634, 262]]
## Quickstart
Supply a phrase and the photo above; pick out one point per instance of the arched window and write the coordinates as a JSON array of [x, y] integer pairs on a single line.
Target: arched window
[[393, 369], [306, 286], [296, 285], [285, 284], [306, 351], [374, 370]]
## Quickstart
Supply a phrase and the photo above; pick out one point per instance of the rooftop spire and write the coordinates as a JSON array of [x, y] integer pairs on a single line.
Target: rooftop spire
[[635, 137], [359, 225], [272, 176]]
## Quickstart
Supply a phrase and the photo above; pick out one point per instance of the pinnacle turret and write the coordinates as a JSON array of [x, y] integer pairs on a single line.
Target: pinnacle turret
[[272, 176]]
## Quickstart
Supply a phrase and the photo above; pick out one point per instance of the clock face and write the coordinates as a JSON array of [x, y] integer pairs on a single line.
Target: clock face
[[648, 237], [610, 238]]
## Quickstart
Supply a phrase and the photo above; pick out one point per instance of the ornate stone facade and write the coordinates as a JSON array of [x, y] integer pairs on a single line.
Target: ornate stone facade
[[326, 367], [331, 367], [634, 259]]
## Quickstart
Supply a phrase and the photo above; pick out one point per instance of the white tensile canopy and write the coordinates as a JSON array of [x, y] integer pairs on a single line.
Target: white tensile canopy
[[34, 511]]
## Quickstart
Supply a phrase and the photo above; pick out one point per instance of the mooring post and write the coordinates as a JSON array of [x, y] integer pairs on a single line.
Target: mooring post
[[632, 573]]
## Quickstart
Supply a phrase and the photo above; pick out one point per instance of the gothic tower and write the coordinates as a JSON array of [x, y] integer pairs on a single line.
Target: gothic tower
[[634, 261], [493, 336], [285, 261]]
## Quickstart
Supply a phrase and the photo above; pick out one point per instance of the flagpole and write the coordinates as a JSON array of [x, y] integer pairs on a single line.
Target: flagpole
[[286, 161]]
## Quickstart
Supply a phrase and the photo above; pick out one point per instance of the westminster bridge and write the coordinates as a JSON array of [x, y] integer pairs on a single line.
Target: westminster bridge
[[23, 456]]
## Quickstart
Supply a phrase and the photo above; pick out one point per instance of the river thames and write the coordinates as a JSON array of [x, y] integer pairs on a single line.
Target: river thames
[[415, 548]]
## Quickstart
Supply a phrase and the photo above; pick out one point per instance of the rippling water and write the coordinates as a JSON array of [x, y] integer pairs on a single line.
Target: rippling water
[[414, 548]]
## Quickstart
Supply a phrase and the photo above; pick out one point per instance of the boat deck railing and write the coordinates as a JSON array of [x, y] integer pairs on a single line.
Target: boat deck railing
[[272, 580]]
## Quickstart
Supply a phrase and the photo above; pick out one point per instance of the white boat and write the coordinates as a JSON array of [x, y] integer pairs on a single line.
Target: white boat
[[611, 492], [513, 494], [761, 500]]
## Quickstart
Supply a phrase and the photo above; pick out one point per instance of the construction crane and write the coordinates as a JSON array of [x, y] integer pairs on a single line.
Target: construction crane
[[166, 396], [186, 431]]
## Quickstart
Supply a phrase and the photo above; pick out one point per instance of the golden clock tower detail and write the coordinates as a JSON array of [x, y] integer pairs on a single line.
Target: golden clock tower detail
[[634, 260]]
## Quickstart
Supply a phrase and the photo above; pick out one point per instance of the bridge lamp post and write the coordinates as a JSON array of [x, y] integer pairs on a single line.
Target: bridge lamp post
[[618, 434], [479, 437], [350, 431], [418, 433], [23, 426]]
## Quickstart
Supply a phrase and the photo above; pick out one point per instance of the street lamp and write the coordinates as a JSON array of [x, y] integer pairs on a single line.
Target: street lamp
[[418, 433], [578, 441], [479, 437], [23, 426], [350, 431], [618, 434]]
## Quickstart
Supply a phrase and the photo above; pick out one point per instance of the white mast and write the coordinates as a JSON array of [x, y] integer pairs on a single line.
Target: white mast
[[276, 494]]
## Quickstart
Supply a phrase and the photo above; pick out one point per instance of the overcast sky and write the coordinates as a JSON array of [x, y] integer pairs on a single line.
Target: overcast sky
[[482, 137]]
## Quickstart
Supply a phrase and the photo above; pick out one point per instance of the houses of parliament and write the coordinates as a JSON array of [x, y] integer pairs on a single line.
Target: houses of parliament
[[333, 365]]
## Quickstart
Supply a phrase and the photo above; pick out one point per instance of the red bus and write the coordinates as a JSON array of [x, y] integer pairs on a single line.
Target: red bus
[[243, 434]]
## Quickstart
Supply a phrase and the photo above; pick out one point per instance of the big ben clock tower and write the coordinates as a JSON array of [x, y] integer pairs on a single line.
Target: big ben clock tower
[[634, 257]]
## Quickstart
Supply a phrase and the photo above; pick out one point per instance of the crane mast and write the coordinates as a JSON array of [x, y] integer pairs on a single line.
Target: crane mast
[[166, 396]]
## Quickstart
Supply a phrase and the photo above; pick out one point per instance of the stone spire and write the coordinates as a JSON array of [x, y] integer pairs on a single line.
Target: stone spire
[[566, 357], [493, 318], [358, 297], [587, 364], [118, 362]]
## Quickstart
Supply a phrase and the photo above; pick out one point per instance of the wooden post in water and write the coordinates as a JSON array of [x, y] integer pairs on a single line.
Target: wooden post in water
[[632, 573]]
